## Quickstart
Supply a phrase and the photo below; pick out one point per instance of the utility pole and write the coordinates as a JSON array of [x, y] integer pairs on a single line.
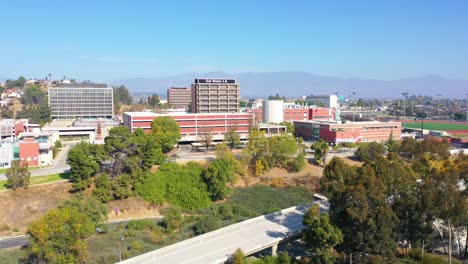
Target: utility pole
[[405, 94]]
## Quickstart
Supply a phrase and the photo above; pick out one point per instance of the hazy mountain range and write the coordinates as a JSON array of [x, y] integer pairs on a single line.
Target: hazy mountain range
[[294, 84]]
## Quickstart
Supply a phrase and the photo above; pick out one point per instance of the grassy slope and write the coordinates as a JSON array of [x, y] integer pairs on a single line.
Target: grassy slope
[[42, 179]]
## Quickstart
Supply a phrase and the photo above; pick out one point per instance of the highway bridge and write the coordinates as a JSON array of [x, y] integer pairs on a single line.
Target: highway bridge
[[251, 236]]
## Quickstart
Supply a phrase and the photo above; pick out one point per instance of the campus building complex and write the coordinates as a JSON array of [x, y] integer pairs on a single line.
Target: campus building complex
[[276, 112], [215, 96], [179, 97], [335, 132], [32, 148], [85, 100], [194, 125]]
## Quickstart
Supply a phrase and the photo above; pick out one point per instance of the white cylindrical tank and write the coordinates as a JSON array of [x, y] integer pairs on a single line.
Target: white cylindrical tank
[[272, 111]]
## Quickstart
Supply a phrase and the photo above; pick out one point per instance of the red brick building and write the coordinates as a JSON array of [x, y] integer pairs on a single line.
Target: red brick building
[[192, 125], [372, 131]]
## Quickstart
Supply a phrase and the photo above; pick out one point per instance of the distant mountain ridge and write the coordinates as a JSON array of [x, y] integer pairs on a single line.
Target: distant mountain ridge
[[295, 84]]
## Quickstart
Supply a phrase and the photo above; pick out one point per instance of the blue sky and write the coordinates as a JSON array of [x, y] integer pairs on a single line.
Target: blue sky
[[106, 40]]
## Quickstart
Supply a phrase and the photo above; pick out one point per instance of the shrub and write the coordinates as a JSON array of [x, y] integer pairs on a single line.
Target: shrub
[[206, 224], [180, 185], [172, 219], [141, 224]]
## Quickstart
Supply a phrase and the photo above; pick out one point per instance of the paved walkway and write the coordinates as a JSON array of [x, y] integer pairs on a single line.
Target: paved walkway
[[217, 246]]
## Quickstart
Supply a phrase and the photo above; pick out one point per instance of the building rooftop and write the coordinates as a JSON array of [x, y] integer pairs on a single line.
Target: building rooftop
[[180, 88], [80, 85], [135, 114]]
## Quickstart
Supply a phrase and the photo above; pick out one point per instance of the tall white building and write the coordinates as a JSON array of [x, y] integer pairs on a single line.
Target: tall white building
[[85, 100]]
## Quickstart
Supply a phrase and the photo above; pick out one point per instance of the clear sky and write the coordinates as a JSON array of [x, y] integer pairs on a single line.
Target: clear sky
[[106, 40]]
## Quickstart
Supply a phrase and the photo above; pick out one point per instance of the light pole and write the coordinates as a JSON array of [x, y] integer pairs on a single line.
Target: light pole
[[120, 248], [405, 94], [466, 108], [351, 256], [354, 93], [422, 115]]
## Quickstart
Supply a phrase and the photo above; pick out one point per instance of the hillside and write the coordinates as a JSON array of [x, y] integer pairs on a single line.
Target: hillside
[[293, 84]]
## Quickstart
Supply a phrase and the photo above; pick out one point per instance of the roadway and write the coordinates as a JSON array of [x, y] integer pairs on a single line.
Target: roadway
[[250, 236], [59, 166], [10, 242]]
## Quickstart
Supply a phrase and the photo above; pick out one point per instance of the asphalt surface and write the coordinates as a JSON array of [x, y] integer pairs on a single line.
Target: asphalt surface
[[250, 236], [13, 242], [60, 165]]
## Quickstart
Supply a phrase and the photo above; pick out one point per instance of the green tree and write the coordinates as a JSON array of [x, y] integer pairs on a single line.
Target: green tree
[[119, 147], [361, 210], [166, 131], [320, 235], [321, 149], [219, 173], [59, 237], [153, 100], [232, 137], [391, 144], [6, 113], [370, 152], [18, 175], [335, 176], [103, 190], [289, 126], [19, 82], [90, 206], [33, 95], [83, 165], [298, 163]]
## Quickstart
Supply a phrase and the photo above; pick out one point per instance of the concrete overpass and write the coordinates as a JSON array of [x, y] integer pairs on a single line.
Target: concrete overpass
[[251, 236]]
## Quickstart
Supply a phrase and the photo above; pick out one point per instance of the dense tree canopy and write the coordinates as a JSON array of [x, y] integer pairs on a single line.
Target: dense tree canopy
[[219, 173], [59, 236], [166, 132], [398, 197], [83, 164], [320, 235]]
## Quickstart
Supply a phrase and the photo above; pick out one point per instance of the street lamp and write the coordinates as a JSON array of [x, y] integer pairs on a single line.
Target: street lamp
[[354, 93], [120, 248], [351, 256], [405, 94]]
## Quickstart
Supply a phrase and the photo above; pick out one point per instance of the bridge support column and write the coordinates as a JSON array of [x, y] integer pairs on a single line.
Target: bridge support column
[[274, 248]]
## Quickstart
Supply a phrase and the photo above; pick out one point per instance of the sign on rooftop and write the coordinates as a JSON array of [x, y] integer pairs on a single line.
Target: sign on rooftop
[[215, 81]]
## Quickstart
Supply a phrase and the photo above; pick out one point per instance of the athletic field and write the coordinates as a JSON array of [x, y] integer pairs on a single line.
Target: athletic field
[[438, 125]]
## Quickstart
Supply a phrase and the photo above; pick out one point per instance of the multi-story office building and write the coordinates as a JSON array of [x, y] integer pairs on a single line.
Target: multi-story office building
[[215, 96], [179, 97], [193, 125], [85, 100]]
